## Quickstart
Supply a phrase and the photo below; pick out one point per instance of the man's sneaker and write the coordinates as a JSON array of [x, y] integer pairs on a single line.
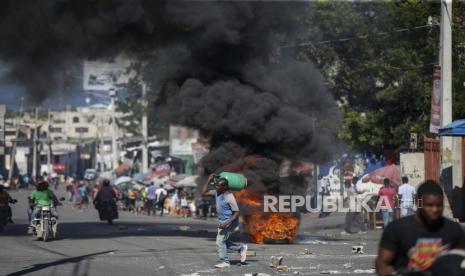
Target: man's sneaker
[[222, 265], [244, 253]]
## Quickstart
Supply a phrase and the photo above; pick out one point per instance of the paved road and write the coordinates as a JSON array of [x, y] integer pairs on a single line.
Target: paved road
[[142, 245]]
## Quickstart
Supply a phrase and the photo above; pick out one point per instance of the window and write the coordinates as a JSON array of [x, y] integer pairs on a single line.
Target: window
[[55, 129], [82, 129], [58, 121], [75, 119]]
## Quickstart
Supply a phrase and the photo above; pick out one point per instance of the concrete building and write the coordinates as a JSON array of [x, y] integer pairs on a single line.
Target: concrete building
[[81, 137], [81, 124], [2, 139]]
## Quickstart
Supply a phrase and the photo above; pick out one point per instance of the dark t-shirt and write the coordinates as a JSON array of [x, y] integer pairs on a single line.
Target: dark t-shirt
[[415, 246]]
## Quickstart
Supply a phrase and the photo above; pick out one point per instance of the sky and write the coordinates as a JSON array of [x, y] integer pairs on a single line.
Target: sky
[[11, 94]]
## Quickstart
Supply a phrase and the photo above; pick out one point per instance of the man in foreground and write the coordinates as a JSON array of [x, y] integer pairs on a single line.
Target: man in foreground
[[414, 242], [228, 216]]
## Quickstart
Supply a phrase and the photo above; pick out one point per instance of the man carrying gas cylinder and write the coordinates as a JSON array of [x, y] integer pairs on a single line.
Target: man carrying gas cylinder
[[228, 216]]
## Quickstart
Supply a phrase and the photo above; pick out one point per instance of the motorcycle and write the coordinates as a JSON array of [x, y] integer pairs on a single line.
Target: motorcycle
[[107, 210], [45, 224], [4, 214]]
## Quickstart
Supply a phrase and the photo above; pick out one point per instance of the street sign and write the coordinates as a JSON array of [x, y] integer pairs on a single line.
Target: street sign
[[102, 75], [413, 141]]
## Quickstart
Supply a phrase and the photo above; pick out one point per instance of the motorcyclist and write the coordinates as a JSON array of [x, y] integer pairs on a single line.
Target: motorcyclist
[[106, 195], [5, 198], [43, 196]]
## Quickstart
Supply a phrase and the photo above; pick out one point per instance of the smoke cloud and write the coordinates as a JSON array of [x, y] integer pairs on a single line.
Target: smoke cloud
[[213, 66]]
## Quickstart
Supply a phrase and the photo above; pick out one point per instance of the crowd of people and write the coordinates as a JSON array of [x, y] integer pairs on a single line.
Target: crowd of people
[[394, 202]]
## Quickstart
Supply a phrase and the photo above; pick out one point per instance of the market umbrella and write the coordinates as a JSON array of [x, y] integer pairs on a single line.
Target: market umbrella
[[122, 179], [187, 182], [392, 172], [139, 176]]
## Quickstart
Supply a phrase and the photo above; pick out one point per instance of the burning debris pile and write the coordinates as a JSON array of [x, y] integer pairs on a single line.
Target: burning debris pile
[[212, 66]]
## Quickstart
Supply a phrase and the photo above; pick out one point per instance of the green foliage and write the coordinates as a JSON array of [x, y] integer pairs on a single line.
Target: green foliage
[[133, 108], [382, 77]]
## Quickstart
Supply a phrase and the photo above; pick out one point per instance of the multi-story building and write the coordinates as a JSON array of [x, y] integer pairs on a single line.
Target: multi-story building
[[2, 138], [85, 131], [81, 124]]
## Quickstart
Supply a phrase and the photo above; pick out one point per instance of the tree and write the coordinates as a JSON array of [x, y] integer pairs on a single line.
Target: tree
[[382, 72], [133, 110]]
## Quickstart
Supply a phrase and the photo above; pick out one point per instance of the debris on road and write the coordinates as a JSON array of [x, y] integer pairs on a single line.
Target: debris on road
[[306, 252], [282, 268], [347, 265], [256, 274], [276, 261], [365, 271], [357, 249]]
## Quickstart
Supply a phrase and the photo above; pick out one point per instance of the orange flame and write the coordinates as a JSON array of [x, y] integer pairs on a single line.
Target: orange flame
[[261, 225]]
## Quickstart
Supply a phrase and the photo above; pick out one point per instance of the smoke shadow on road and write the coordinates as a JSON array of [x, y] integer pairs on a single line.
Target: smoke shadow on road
[[41, 266], [97, 230]]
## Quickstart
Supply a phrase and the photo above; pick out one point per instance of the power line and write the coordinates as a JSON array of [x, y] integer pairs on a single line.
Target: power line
[[311, 43]]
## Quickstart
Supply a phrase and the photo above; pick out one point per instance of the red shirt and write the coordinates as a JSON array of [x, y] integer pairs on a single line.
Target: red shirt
[[389, 194]]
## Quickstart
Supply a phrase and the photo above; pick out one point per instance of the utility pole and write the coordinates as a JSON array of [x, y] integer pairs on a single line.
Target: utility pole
[[113, 129], [34, 146], [49, 143], [445, 60], [13, 150], [101, 145], [145, 154]]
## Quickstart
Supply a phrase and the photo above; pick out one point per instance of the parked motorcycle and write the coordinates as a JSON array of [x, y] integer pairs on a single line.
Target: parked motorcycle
[[45, 224]]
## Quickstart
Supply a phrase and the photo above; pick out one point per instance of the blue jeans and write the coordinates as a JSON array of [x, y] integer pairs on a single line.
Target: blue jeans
[[223, 243], [388, 216]]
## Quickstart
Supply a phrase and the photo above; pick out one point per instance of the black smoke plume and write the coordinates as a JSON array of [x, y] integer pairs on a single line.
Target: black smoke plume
[[211, 65]]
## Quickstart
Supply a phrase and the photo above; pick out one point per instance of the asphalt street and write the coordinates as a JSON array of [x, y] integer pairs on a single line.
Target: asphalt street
[[143, 245]]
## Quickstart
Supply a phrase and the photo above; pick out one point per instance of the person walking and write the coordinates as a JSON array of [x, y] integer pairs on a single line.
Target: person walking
[[151, 197], [354, 215], [324, 191], [407, 198], [161, 195], [228, 216], [387, 194], [70, 190]]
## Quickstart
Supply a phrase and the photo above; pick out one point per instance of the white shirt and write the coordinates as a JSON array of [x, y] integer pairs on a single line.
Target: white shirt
[[160, 191], [323, 185], [407, 192]]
